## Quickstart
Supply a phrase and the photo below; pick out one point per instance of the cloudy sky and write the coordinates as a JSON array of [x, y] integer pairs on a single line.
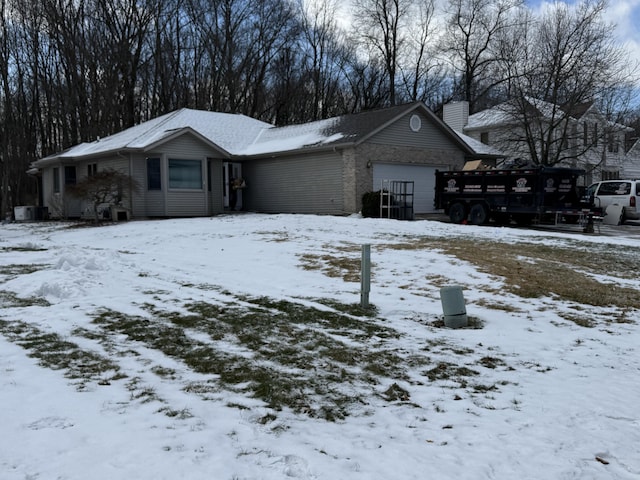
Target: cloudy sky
[[625, 14]]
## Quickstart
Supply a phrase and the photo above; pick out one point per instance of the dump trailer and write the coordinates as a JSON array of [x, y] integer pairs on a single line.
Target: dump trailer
[[523, 195]]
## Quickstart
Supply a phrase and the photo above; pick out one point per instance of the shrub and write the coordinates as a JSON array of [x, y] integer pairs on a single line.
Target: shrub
[[371, 204], [107, 186]]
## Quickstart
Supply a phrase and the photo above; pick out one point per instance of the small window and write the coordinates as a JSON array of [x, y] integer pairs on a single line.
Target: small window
[[595, 134], [185, 174], [56, 180], [585, 134], [415, 123], [92, 169], [484, 137], [154, 179], [70, 175]]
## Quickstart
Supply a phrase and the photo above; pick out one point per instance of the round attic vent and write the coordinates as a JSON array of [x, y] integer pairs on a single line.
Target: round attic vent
[[415, 123]]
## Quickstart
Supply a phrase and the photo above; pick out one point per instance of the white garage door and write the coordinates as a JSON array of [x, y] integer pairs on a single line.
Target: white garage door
[[424, 179]]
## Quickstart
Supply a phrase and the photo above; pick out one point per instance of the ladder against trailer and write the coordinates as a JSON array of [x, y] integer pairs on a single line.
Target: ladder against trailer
[[396, 199]]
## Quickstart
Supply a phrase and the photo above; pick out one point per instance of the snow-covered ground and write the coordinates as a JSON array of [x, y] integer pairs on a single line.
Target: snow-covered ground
[[561, 402]]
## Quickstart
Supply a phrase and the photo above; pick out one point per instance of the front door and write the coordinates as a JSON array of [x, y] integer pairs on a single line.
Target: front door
[[232, 174]]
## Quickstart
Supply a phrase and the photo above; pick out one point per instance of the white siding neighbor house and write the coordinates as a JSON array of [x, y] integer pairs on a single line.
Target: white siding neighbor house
[[592, 143]]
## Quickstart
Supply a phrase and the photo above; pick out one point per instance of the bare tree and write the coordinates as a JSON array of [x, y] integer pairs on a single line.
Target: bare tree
[[570, 63], [367, 82], [19, 51], [5, 110], [323, 58], [167, 75], [470, 42], [123, 30], [240, 41], [380, 25], [422, 73], [68, 42]]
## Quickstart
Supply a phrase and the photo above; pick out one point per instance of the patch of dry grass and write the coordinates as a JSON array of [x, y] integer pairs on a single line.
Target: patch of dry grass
[[533, 270], [498, 305], [575, 272], [344, 262]]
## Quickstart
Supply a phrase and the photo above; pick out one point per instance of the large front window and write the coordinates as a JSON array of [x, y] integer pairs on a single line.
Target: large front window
[[185, 174]]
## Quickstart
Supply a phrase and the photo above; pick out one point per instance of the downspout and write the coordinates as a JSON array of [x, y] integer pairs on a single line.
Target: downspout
[[129, 160]]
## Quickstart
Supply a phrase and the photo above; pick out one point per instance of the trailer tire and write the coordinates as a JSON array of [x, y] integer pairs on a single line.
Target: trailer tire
[[479, 214], [457, 212]]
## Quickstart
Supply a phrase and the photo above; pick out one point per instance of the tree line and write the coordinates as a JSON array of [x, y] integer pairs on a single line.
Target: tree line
[[72, 71]]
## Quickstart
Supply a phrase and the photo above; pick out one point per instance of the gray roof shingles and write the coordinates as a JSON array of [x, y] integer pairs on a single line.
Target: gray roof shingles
[[241, 135]]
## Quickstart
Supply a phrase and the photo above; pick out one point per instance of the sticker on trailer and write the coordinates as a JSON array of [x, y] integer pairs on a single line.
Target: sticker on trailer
[[566, 185], [473, 188], [451, 186], [550, 187], [521, 186]]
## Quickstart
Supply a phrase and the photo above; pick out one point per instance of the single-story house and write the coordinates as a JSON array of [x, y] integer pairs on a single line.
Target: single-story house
[[185, 162]]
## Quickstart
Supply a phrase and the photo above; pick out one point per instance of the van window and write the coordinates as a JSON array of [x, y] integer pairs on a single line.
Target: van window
[[615, 188]]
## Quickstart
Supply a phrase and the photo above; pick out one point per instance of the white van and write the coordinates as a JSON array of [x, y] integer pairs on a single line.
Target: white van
[[617, 192]]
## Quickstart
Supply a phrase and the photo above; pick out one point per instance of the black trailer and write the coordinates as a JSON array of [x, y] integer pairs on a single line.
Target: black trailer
[[524, 195]]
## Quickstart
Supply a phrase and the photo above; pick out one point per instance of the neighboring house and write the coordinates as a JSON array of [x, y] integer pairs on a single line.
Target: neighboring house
[[631, 167], [185, 161], [596, 145]]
